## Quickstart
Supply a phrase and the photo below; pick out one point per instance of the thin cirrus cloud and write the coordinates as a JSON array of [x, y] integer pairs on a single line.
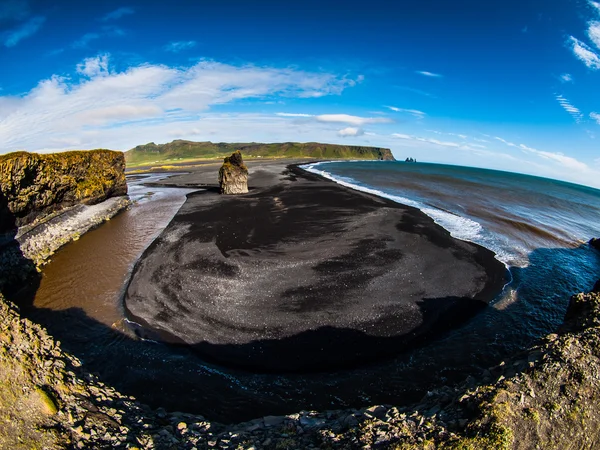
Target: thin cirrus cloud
[[117, 14], [595, 116], [556, 157], [414, 112], [178, 46], [93, 109], [584, 53], [25, 30], [568, 107], [428, 74]]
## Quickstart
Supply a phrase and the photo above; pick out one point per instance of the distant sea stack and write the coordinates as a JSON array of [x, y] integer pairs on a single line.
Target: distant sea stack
[[233, 175], [33, 186], [179, 149]]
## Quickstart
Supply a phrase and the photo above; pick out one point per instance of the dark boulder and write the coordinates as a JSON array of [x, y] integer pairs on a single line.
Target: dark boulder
[[233, 175]]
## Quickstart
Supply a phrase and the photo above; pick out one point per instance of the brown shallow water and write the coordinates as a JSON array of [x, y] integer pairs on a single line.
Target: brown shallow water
[[89, 273]]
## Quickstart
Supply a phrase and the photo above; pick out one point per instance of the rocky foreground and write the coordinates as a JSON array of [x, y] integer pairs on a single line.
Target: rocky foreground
[[546, 397]]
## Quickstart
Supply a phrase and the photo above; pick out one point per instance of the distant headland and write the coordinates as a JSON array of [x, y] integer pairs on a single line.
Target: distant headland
[[181, 150]]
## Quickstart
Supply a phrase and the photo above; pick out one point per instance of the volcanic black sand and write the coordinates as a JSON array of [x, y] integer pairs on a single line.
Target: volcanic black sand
[[302, 274]]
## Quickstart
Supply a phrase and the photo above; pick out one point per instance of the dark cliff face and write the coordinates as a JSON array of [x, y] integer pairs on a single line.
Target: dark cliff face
[[33, 185]]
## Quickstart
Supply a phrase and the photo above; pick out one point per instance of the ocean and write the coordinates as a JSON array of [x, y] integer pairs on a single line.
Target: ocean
[[538, 228]]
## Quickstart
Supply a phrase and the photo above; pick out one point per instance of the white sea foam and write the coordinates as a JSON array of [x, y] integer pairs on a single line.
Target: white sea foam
[[458, 226]]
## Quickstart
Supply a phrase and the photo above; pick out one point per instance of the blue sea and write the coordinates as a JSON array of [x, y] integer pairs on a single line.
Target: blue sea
[[538, 227]]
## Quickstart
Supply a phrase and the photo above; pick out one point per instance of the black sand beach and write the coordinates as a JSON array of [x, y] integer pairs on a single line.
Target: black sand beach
[[302, 274]]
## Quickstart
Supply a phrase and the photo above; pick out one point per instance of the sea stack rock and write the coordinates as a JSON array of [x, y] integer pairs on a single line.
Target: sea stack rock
[[233, 175], [595, 243]]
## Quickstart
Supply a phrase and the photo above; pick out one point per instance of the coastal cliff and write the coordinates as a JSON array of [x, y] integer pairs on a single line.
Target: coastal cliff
[[33, 186], [180, 150], [49, 200]]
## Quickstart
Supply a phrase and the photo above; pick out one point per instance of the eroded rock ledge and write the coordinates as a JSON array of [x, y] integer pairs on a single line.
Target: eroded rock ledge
[[49, 200], [547, 397]]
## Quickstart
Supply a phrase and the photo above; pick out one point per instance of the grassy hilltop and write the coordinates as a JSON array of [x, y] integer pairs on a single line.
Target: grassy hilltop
[[180, 150]]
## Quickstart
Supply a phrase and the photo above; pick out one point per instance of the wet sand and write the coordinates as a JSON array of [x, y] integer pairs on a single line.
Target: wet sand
[[302, 274]]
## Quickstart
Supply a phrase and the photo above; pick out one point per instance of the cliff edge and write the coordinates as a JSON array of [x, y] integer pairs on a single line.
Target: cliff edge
[[33, 186], [49, 200]]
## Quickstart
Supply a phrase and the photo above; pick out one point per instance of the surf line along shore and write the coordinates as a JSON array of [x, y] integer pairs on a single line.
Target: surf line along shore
[[303, 274]]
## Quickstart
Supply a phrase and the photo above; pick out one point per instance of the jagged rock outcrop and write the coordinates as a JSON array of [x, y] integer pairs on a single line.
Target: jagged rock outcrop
[[34, 186], [595, 243], [233, 175]]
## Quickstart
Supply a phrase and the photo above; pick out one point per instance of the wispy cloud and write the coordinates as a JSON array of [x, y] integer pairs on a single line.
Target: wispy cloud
[[564, 160], [584, 53], [595, 116], [117, 14], [178, 46], [595, 5], [428, 140], [566, 78], [594, 33], [418, 114], [572, 110], [84, 40], [351, 131], [106, 31], [351, 120], [293, 115], [428, 74], [109, 108], [510, 144], [29, 28], [416, 91]]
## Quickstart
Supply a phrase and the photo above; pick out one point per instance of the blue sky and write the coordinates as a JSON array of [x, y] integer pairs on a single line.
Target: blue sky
[[510, 85]]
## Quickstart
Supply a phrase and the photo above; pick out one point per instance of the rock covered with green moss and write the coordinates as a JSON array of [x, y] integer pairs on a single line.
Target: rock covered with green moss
[[33, 186], [233, 175]]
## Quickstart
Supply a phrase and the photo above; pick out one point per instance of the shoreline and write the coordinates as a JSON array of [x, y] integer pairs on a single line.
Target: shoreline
[[348, 226], [546, 395]]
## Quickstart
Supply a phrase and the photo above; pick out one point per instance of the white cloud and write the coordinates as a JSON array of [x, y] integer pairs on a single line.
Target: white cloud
[[293, 115], [178, 46], [114, 109], [29, 28], [594, 33], [572, 110], [595, 116], [418, 114], [510, 144], [428, 74], [351, 120], [566, 78], [584, 53], [595, 5], [117, 14], [564, 160], [351, 131], [91, 67]]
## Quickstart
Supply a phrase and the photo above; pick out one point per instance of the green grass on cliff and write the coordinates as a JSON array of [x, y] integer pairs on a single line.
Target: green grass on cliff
[[182, 151]]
